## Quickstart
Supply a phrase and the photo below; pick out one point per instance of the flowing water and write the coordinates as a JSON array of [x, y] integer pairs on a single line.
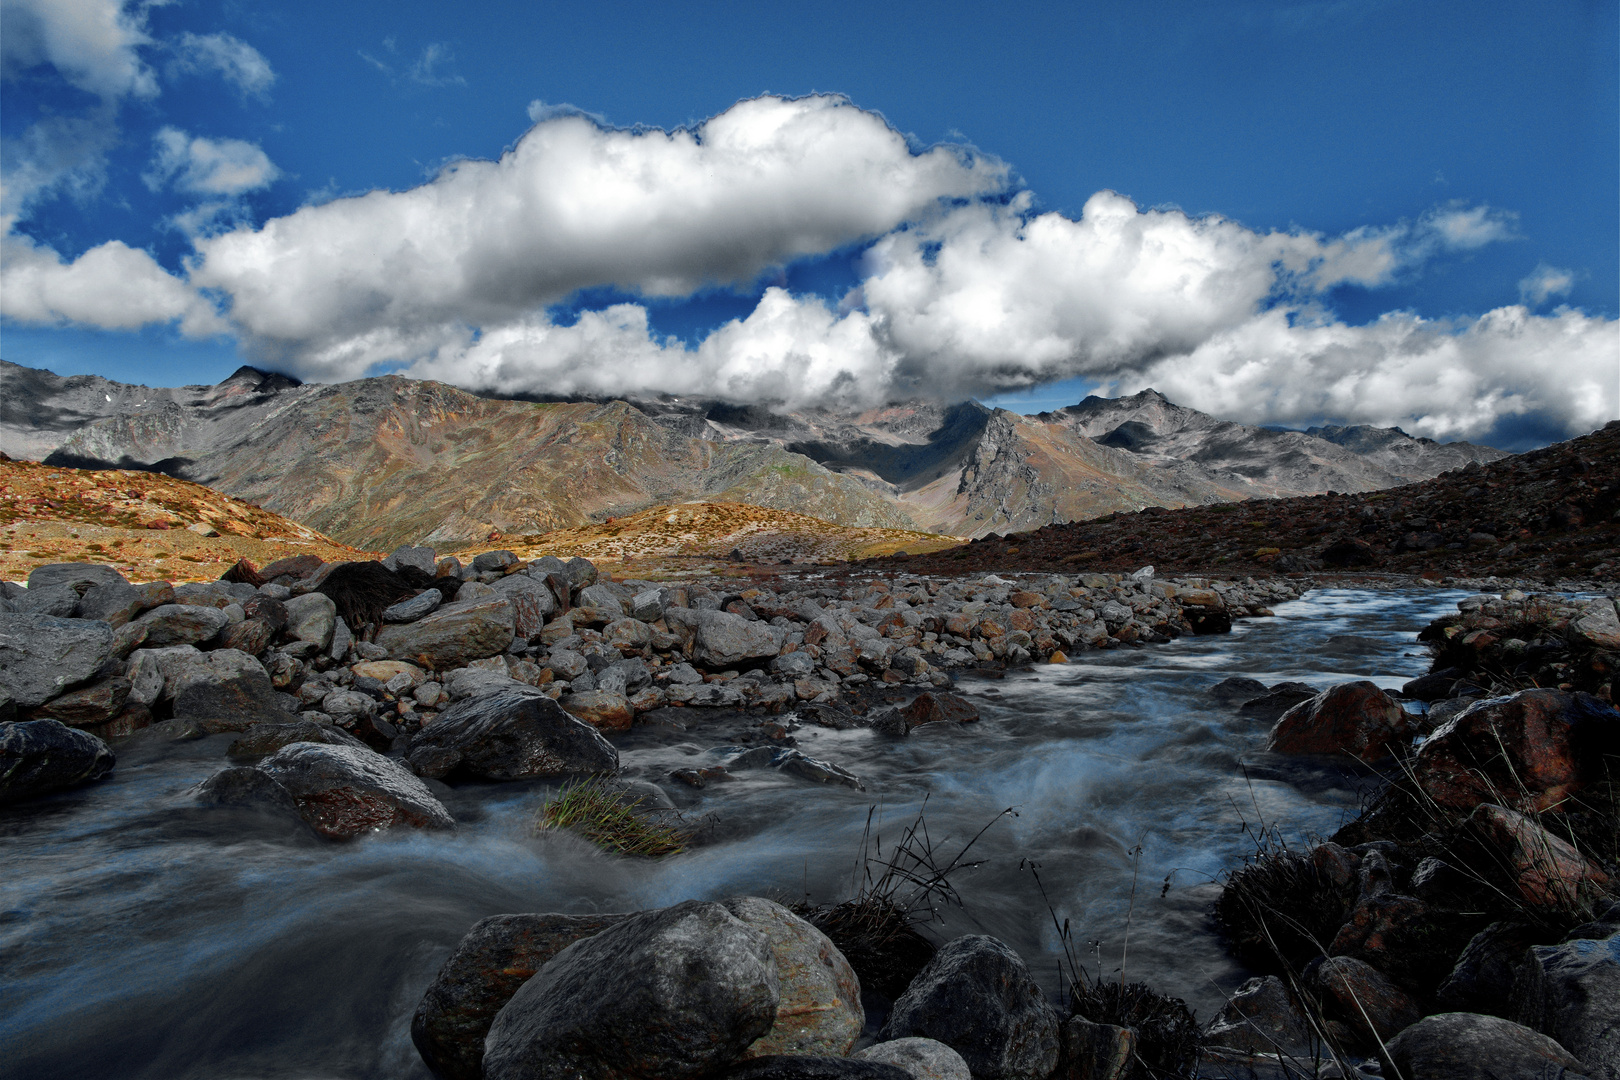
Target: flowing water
[[141, 936]]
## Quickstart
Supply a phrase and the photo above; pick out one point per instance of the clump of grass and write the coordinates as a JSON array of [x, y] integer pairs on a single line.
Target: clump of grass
[[612, 819], [1167, 1034], [1279, 910]]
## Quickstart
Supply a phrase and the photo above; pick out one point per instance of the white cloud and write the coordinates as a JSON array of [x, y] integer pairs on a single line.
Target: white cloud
[[113, 286], [233, 59], [333, 289], [1544, 283], [1460, 227], [208, 166], [92, 43], [427, 69]]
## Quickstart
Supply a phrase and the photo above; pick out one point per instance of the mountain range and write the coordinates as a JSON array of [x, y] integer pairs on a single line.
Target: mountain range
[[388, 460]]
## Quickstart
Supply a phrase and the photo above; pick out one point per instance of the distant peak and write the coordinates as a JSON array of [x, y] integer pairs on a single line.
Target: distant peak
[[256, 377]]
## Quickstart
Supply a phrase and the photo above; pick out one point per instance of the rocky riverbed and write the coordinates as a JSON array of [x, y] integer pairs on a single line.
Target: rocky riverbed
[[367, 698]]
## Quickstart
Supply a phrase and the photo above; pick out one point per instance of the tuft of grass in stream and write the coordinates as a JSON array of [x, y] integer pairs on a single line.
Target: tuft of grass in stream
[[611, 818]]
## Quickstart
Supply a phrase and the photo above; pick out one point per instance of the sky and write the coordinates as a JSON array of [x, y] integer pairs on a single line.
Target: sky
[[1285, 213]]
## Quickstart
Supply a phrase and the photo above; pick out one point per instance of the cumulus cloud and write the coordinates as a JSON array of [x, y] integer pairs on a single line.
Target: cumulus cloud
[[333, 289], [92, 43], [208, 166], [1544, 283], [113, 287], [1460, 227], [233, 59]]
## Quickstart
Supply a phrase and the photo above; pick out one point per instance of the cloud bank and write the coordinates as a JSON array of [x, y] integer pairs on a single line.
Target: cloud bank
[[965, 288]]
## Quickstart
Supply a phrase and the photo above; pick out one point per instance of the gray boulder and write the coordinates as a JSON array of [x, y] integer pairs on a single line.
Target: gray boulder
[[311, 617], [1468, 1046], [532, 603], [722, 640], [181, 624], [343, 791], [602, 597], [498, 955], [453, 636], [243, 785], [38, 757], [72, 574], [649, 605], [1572, 993], [1481, 981], [819, 1012], [421, 558], [921, 1059], [89, 705], [41, 655], [263, 739], [488, 561], [58, 600], [511, 735], [227, 688], [978, 998], [672, 994], [580, 572], [1262, 1018], [145, 675], [423, 603], [568, 664], [625, 677]]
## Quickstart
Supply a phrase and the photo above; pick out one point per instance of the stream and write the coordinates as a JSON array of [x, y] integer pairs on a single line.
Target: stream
[[142, 936]]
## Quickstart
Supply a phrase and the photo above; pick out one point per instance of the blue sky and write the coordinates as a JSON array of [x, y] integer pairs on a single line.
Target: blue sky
[[1475, 146]]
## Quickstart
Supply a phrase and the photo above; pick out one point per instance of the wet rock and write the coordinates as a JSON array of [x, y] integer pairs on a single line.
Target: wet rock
[[228, 688], [509, 736], [41, 655], [423, 603], [1355, 718], [1548, 871], [1359, 995], [1237, 688], [1513, 751], [88, 706], [797, 763], [674, 994], [1433, 686], [1481, 981], [1095, 1051], [722, 640], [343, 791], [1571, 992], [978, 998], [311, 617], [1262, 1018], [452, 636], [1271, 707], [38, 757], [604, 710], [498, 955], [921, 1059], [244, 785], [819, 1010], [1467, 1046], [939, 708], [804, 1067], [263, 739]]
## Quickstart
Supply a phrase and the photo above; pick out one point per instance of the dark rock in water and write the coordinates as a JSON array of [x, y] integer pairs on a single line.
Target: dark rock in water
[[1207, 620], [1355, 718], [1467, 1046], [1262, 1018], [1481, 981], [38, 757], [1347, 553], [511, 735], [937, 708], [343, 791], [1238, 688], [804, 1067], [977, 997], [797, 763], [1572, 993], [831, 716], [1514, 751], [498, 955], [674, 994], [262, 739], [42, 655], [922, 1059], [1271, 706], [244, 785], [90, 705], [1433, 686]]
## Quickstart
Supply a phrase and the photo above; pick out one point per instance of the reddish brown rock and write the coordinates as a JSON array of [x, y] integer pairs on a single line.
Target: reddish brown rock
[[1354, 718], [603, 710], [1547, 870], [933, 708], [1512, 751], [1358, 994]]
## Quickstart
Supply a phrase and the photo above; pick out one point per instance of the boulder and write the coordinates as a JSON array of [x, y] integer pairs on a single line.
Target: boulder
[[419, 558], [385, 671], [1598, 624], [649, 605], [628, 676], [343, 791], [1237, 688], [978, 998], [1272, 705], [723, 640], [938, 707], [38, 757], [1096, 1051], [1262, 1018], [498, 955], [627, 635], [1467, 1046], [604, 710], [1572, 993], [514, 735], [180, 624], [244, 785], [602, 597], [230, 689], [1482, 978], [1356, 993], [921, 1059], [113, 602], [453, 636], [487, 561], [797, 763], [311, 617], [263, 739], [62, 601], [423, 603], [533, 603], [145, 675], [804, 1067], [89, 705], [1547, 870], [580, 572], [1434, 686], [819, 1011], [42, 655], [672, 994], [1514, 751], [1355, 718], [72, 574], [251, 636]]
